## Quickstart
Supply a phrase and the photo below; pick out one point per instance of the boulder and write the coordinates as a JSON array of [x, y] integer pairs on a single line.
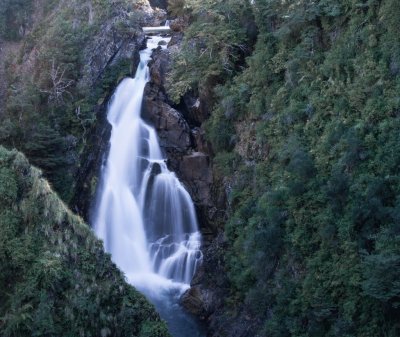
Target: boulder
[[198, 301], [195, 171], [177, 25], [195, 109], [159, 67], [209, 285], [172, 129]]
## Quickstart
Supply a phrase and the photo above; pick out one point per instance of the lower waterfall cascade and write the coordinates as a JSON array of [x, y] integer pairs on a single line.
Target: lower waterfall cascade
[[143, 214]]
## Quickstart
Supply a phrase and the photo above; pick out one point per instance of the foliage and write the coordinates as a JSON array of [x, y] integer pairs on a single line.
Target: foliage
[[177, 7], [15, 18], [214, 45], [50, 109], [313, 229], [55, 278]]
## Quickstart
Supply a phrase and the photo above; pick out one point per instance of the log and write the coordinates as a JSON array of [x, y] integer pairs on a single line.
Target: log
[[156, 30]]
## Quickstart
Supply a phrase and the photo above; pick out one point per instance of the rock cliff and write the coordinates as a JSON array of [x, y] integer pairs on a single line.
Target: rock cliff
[[106, 52], [182, 135], [184, 142]]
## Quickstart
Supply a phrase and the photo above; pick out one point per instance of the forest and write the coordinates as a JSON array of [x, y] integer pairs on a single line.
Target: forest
[[305, 128], [303, 120], [55, 277]]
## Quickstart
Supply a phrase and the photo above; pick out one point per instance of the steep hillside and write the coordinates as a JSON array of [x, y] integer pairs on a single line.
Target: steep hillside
[[296, 103], [69, 57], [55, 278], [304, 125]]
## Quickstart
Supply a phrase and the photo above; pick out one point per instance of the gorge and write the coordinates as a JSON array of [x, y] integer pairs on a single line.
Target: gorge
[[238, 180], [144, 215]]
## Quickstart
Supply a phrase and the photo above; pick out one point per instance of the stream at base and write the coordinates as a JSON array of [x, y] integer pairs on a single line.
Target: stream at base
[[180, 323], [143, 214]]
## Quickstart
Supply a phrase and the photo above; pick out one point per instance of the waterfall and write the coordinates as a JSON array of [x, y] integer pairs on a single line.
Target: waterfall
[[143, 213]]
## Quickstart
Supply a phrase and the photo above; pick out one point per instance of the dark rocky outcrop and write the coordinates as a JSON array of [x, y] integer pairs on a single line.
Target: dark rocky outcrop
[[172, 129], [163, 4], [181, 137], [97, 142], [207, 293], [107, 49], [195, 167]]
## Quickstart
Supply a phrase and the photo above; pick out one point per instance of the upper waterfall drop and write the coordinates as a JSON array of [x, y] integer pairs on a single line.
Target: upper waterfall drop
[[144, 215]]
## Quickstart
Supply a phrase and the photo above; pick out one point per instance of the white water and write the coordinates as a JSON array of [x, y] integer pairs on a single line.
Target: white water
[[144, 215]]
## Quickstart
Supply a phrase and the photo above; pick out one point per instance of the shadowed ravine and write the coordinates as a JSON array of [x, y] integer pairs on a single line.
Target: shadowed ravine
[[143, 213]]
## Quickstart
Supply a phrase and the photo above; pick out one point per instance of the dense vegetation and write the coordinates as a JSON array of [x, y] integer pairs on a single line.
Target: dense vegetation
[[51, 103], [15, 18], [305, 128], [307, 132], [55, 278]]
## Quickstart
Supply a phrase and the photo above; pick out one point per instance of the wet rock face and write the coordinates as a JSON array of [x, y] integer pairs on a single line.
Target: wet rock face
[[159, 67], [180, 145], [172, 129], [191, 108], [199, 138], [198, 301], [181, 138], [106, 49], [196, 173], [207, 293]]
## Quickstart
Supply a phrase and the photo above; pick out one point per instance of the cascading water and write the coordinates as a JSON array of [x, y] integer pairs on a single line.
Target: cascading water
[[144, 215]]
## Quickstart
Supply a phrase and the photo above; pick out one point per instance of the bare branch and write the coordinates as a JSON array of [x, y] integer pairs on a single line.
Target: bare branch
[[59, 84]]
